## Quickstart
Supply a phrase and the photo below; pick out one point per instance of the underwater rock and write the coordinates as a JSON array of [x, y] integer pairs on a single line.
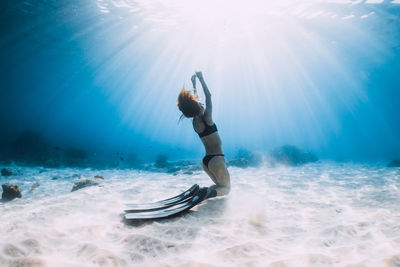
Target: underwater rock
[[84, 183], [173, 169], [10, 192], [161, 161], [241, 162], [99, 177], [245, 158], [394, 163], [35, 185], [292, 156], [6, 172]]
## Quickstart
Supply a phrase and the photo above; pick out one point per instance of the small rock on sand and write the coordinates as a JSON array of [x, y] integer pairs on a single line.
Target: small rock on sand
[[35, 185], [84, 183], [10, 192]]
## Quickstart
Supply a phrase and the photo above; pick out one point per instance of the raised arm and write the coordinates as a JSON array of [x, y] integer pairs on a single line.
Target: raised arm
[[208, 110], [194, 85]]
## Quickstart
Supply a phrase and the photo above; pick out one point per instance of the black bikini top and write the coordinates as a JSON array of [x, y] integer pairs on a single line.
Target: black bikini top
[[209, 129]]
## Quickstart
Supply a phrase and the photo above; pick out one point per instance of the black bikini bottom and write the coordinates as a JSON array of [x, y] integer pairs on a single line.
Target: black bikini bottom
[[207, 158]]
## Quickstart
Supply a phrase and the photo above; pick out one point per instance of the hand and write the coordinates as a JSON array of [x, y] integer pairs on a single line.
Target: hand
[[199, 75], [193, 80]]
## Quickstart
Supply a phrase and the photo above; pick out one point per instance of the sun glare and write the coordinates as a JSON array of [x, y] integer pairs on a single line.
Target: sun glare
[[281, 58]]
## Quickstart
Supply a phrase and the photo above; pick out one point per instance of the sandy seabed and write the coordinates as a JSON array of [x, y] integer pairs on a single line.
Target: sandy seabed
[[323, 214]]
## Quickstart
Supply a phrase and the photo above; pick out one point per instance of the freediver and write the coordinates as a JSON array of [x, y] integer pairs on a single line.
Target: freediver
[[214, 163]]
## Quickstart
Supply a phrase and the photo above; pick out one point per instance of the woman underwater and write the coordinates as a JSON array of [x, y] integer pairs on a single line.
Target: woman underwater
[[214, 161]]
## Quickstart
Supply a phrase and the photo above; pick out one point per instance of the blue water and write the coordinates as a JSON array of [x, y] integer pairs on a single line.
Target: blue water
[[104, 75], [90, 88]]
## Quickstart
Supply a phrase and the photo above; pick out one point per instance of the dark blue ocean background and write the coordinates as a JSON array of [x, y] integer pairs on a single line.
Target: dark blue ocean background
[[89, 123], [103, 77]]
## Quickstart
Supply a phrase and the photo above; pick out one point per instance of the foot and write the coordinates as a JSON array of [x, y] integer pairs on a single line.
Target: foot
[[210, 192]]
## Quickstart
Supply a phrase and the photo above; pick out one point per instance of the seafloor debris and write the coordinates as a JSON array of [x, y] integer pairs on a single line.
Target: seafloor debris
[[10, 192], [87, 182]]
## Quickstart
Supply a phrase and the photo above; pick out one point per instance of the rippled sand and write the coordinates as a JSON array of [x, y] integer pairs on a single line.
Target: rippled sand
[[324, 214]]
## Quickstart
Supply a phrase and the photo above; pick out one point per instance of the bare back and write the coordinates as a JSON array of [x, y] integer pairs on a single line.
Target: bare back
[[212, 143]]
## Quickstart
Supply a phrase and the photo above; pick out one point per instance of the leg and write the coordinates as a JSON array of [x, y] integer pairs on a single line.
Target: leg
[[217, 167], [209, 173]]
